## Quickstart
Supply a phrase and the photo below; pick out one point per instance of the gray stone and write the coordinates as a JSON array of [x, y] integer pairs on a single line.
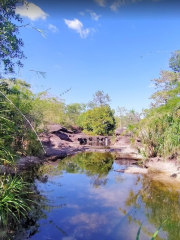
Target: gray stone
[[56, 128]]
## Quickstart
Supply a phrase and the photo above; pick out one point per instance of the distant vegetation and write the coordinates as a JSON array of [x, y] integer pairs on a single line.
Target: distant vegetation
[[159, 130]]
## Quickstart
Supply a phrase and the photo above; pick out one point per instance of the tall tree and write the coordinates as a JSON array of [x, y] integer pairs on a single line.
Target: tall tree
[[99, 99], [11, 52], [164, 85]]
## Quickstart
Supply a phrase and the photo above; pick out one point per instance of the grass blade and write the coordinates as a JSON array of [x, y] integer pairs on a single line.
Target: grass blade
[[138, 233], [156, 233]]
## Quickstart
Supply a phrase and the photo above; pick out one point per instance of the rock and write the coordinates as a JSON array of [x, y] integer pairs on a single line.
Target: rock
[[54, 154], [174, 175], [163, 166], [55, 141], [27, 162], [125, 162], [134, 170], [64, 137], [128, 155], [45, 139], [119, 131], [56, 128], [82, 140]]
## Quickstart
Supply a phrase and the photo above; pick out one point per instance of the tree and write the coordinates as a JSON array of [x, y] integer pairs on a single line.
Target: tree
[[99, 120], [168, 84], [174, 61], [164, 85], [10, 45], [159, 130], [99, 99], [74, 110], [128, 117]]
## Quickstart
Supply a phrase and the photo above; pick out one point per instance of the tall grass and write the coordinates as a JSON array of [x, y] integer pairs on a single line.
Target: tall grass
[[14, 201]]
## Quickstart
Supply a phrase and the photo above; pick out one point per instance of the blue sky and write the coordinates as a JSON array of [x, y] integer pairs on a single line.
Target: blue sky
[[116, 46]]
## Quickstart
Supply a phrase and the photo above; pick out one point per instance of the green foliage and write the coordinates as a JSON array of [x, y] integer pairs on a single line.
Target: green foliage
[[165, 85], [160, 128], [127, 117], [14, 201], [174, 61], [73, 111], [48, 109], [10, 44], [99, 120], [16, 135]]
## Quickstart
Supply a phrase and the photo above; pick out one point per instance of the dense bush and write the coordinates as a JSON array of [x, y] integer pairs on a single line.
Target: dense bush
[[99, 120]]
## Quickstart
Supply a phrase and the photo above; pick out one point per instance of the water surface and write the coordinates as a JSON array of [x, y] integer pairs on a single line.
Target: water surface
[[84, 198]]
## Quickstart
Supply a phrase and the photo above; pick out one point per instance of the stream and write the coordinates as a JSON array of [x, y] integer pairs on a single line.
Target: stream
[[82, 197]]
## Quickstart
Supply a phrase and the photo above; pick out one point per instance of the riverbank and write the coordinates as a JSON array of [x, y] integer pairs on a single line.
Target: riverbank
[[60, 142]]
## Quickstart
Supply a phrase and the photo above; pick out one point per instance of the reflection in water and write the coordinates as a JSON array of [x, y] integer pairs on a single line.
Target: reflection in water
[[158, 203], [85, 199]]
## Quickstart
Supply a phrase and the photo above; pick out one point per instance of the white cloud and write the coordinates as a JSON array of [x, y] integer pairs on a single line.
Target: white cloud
[[53, 28], [94, 16], [33, 12], [100, 2], [78, 27]]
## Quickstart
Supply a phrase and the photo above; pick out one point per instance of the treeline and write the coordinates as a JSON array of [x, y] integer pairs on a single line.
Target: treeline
[[21, 111]]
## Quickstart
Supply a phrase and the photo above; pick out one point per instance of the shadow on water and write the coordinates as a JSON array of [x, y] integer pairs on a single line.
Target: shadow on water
[[82, 197]]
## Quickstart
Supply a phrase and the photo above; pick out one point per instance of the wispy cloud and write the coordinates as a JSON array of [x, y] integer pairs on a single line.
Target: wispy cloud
[[101, 3], [82, 13], [78, 27], [114, 7], [33, 12], [53, 28], [118, 3], [94, 16]]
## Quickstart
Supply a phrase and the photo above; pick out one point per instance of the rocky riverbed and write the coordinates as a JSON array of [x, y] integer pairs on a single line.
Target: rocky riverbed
[[60, 142]]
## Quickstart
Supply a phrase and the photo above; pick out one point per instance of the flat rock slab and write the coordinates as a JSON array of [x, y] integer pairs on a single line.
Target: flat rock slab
[[128, 155], [134, 170], [125, 162]]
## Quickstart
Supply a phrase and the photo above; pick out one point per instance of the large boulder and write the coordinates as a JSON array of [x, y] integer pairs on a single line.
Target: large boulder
[[64, 136], [57, 128]]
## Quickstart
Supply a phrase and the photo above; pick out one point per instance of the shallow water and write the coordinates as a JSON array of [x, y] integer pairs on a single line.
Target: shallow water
[[84, 198]]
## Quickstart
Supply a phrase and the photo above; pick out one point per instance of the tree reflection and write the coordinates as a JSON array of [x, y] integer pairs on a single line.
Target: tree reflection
[[94, 165], [158, 203]]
